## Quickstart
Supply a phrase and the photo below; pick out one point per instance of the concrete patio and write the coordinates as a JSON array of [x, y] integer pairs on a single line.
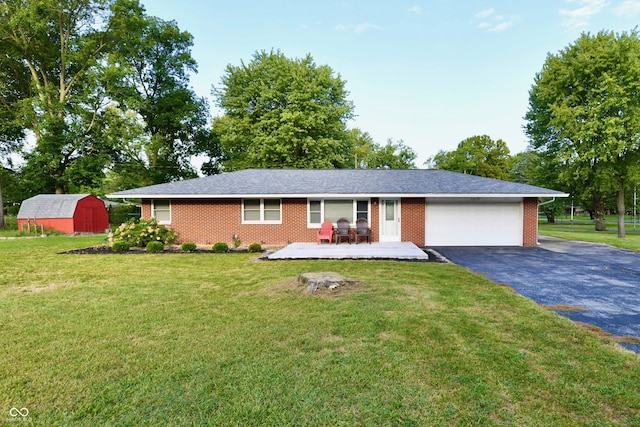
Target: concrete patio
[[404, 251]]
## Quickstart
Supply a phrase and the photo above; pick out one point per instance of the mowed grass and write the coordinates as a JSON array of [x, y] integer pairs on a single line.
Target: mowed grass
[[587, 233], [219, 339]]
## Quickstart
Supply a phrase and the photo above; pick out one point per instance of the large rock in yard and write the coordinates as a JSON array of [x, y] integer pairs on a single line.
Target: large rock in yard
[[319, 280]]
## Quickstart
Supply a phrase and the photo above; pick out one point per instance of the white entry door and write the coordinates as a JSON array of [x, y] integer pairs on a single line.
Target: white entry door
[[389, 220]]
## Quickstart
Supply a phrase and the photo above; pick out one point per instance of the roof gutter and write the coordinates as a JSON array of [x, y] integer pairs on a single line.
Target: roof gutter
[[334, 195]]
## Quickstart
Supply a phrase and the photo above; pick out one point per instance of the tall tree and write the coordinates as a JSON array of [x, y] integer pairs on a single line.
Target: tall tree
[[60, 47], [367, 154], [151, 76], [281, 112], [13, 84], [584, 110], [478, 155]]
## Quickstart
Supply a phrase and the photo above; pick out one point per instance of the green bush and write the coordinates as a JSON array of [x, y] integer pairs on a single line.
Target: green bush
[[254, 247], [188, 247], [220, 247], [120, 247], [10, 222], [123, 213], [155, 247], [140, 233]]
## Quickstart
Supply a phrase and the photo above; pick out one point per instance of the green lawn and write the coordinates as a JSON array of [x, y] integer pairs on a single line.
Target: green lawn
[[218, 339], [587, 233]]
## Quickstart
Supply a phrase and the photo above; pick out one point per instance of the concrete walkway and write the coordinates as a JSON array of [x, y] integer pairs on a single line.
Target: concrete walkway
[[379, 250]]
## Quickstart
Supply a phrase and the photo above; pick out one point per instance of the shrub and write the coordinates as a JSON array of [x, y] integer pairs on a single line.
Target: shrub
[[220, 247], [254, 247], [120, 247], [123, 213], [10, 222], [188, 247], [154, 247], [140, 233]]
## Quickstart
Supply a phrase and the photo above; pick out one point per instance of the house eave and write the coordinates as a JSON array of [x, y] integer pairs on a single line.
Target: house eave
[[341, 195]]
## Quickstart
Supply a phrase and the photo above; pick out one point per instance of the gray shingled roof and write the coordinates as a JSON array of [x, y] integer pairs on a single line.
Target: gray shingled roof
[[314, 182], [50, 206]]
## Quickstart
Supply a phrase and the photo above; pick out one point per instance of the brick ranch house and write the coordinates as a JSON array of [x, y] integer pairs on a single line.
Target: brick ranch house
[[276, 206]]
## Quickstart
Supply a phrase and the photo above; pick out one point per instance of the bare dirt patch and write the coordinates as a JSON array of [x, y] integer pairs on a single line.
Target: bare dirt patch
[[564, 307], [628, 339], [294, 286]]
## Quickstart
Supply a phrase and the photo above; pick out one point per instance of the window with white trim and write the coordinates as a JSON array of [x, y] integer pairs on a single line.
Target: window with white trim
[[334, 209], [259, 211], [161, 210]]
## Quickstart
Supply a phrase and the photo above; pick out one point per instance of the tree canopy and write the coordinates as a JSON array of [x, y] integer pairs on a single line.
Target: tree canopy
[[281, 112], [584, 111], [100, 86], [54, 51], [478, 155], [150, 75]]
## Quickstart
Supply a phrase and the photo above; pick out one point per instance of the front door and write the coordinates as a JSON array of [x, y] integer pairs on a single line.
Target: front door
[[389, 220]]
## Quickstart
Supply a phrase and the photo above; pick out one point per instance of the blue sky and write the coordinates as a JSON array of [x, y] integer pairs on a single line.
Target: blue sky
[[431, 73]]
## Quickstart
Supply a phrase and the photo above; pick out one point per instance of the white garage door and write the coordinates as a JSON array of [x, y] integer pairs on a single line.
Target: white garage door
[[474, 224]]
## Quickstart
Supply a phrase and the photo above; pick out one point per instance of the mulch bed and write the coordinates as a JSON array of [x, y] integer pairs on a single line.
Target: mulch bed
[[104, 250]]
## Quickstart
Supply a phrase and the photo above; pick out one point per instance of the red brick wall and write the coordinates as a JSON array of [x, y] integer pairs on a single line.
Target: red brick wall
[[412, 215], [530, 218], [211, 221], [374, 221]]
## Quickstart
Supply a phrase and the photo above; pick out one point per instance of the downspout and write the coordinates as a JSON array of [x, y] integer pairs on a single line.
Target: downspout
[[553, 199]]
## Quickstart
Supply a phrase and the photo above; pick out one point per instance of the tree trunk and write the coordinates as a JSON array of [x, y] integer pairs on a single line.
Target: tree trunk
[[551, 217], [598, 210], [620, 206]]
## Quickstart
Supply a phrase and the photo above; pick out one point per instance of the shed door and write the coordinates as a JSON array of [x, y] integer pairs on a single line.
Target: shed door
[[474, 224]]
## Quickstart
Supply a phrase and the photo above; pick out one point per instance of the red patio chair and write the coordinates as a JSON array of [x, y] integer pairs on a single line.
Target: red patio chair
[[325, 232]]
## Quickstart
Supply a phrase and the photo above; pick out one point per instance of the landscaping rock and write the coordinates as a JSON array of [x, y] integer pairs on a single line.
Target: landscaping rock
[[319, 280]]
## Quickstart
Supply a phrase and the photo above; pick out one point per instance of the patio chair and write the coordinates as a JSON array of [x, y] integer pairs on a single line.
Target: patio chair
[[325, 232], [343, 231], [363, 230]]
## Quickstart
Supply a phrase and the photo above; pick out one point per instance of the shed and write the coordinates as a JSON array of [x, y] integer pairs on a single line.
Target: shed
[[68, 213]]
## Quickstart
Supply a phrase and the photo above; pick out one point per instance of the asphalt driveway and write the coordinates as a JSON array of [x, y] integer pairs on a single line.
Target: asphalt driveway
[[603, 279]]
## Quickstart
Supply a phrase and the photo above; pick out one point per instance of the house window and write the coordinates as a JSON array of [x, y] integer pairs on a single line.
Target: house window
[[161, 210], [315, 212], [261, 211], [362, 209], [334, 209]]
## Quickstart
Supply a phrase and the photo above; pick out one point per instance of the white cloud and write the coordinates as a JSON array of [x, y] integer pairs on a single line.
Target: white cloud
[[490, 21], [628, 8], [416, 10], [341, 27], [485, 13], [502, 26], [361, 28], [579, 16]]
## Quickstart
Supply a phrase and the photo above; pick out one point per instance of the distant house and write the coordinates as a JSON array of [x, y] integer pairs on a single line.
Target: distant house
[[276, 206], [68, 213]]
